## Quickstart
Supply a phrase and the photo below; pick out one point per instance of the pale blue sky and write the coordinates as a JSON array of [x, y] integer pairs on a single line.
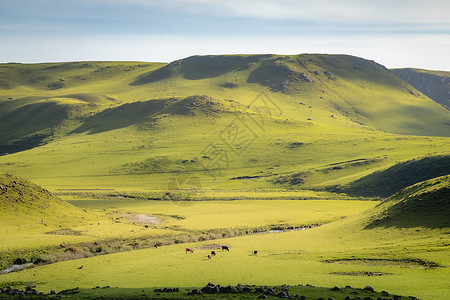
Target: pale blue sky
[[401, 33]]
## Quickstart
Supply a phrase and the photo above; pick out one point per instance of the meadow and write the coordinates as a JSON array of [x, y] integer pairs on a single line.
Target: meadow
[[223, 150], [337, 254]]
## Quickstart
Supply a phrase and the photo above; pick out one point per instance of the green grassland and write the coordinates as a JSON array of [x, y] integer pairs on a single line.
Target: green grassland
[[224, 147], [408, 260], [314, 111]]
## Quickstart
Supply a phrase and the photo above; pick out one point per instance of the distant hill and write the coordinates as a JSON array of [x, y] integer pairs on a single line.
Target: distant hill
[[265, 121], [39, 102], [434, 84], [425, 204], [401, 175]]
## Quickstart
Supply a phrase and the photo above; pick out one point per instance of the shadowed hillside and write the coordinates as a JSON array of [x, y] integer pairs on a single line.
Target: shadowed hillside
[[387, 182], [149, 112], [200, 67], [434, 84], [424, 204], [358, 90]]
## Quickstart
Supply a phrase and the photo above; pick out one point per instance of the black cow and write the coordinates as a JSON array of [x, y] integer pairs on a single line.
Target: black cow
[[213, 253], [255, 252], [225, 248]]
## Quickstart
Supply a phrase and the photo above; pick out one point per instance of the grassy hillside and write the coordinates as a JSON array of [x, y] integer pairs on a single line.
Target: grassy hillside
[[386, 182], [25, 201], [425, 204], [434, 84], [262, 121]]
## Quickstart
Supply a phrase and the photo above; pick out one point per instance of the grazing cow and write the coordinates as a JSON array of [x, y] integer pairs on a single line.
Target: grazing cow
[[225, 248], [255, 252], [80, 267], [63, 245], [189, 250], [318, 224], [156, 246], [146, 226], [204, 238], [209, 256], [213, 253]]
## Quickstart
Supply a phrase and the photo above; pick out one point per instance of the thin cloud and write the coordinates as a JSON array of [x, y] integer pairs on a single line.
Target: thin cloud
[[347, 11], [395, 33]]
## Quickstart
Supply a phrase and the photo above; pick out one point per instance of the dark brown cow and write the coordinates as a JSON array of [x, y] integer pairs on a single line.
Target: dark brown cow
[[209, 256], [225, 248], [189, 250]]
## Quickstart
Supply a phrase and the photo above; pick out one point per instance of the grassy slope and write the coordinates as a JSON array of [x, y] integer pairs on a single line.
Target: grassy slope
[[403, 253], [28, 212], [424, 204], [386, 182], [434, 84], [332, 106], [22, 200]]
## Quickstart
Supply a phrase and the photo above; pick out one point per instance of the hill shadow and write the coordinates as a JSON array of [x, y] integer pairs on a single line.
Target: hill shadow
[[122, 116], [201, 67], [387, 182], [27, 126]]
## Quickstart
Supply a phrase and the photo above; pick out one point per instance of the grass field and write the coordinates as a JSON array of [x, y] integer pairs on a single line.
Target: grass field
[[218, 150], [285, 258]]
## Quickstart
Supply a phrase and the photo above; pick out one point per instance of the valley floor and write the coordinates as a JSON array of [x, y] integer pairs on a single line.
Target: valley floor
[[406, 261]]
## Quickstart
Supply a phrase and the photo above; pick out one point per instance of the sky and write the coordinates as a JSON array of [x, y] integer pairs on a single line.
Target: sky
[[394, 33]]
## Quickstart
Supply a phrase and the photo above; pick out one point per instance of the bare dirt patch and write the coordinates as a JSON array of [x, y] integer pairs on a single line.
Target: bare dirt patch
[[64, 231], [209, 247], [377, 262], [142, 218], [361, 273]]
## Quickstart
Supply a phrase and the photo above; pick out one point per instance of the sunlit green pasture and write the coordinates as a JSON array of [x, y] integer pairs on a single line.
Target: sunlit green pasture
[[204, 215], [283, 258], [117, 159]]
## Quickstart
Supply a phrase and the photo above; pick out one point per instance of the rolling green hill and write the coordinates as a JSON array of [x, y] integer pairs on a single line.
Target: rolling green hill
[[434, 84], [22, 201], [425, 204], [389, 181], [234, 121]]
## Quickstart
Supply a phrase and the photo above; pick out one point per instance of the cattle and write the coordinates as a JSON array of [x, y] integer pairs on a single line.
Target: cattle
[[146, 226], [189, 250], [225, 248], [80, 267], [209, 256], [213, 253], [63, 245], [204, 238], [156, 246], [255, 252], [318, 224]]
